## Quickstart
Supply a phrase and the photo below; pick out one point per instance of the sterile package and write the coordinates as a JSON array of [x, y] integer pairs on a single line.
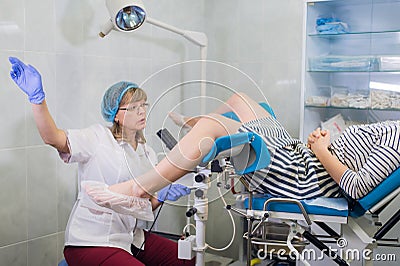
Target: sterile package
[[316, 100], [389, 63], [381, 99], [319, 97], [342, 63], [395, 101], [340, 96], [359, 99], [336, 125], [331, 25]]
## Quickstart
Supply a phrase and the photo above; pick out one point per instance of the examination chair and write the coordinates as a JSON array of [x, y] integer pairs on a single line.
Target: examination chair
[[284, 223]]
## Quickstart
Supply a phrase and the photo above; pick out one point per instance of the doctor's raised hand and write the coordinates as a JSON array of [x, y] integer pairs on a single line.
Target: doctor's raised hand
[[28, 80]]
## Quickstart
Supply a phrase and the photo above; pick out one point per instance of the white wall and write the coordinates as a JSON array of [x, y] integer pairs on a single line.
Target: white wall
[[37, 190]]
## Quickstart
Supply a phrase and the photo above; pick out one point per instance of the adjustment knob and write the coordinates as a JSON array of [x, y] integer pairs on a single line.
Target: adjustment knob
[[199, 193], [200, 177], [191, 212]]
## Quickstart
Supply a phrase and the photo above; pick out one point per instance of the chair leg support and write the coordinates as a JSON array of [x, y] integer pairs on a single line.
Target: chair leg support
[[321, 246], [328, 229], [387, 226]]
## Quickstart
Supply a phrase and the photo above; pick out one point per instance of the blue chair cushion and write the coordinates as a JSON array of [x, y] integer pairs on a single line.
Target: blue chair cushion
[[226, 143], [320, 206], [335, 206], [262, 157], [390, 184]]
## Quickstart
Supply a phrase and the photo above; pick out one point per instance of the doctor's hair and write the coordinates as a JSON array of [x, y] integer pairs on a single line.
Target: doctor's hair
[[131, 95]]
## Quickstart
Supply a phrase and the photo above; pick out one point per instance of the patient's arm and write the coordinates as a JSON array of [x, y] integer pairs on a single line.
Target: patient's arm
[[381, 162], [319, 141]]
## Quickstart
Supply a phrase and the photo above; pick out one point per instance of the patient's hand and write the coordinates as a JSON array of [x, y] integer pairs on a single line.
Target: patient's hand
[[319, 140]]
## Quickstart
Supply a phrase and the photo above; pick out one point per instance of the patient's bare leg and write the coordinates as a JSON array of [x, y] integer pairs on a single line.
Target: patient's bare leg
[[183, 158], [193, 146], [242, 105]]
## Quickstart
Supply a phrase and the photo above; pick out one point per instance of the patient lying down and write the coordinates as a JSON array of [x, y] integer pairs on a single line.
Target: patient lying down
[[360, 159]]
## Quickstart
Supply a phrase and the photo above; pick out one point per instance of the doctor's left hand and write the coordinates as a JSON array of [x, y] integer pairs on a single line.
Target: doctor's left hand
[[172, 192]]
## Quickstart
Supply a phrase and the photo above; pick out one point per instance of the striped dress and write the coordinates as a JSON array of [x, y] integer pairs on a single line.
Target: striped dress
[[295, 171]]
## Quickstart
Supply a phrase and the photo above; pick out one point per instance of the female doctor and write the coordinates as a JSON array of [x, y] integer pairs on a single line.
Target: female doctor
[[96, 235]]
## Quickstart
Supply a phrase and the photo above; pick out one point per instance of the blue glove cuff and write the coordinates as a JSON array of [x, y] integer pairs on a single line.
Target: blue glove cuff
[[38, 98]]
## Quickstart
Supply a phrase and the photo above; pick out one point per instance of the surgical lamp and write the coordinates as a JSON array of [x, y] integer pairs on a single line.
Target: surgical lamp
[[128, 15]]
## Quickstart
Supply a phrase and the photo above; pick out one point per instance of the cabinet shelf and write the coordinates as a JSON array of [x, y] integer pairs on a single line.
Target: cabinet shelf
[[350, 108], [366, 34], [355, 71]]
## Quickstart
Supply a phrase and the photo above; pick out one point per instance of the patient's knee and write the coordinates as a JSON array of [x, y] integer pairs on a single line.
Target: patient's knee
[[238, 96], [237, 99], [208, 120], [210, 125]]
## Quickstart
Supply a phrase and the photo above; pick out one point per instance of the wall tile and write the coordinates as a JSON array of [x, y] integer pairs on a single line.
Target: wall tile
[[41, 191], [70, 18], [15, 255], [13, 187], [43, 251], [12, 25], [39, 25]]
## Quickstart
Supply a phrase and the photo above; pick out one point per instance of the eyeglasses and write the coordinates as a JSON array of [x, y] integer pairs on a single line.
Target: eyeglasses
[[136, 108]]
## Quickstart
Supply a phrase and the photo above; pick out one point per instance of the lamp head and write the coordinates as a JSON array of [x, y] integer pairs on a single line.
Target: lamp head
[[126, 15]]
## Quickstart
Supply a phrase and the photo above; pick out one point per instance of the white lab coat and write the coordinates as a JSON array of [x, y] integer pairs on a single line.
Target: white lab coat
[[101, 158]]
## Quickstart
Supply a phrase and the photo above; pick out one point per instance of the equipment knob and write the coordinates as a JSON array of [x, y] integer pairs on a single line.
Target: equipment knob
[[199, 193], [200, 177], [191, 212]]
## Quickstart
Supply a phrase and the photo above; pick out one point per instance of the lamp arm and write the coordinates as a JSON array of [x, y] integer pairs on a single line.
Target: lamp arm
[[107, 27], [198, 38], [195, 37]]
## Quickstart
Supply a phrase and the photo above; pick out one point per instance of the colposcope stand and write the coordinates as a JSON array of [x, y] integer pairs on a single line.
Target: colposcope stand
[[199, 210], [201, 183]]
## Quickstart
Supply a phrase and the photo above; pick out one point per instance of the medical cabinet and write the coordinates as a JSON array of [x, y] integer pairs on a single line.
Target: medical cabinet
[[351, 64]]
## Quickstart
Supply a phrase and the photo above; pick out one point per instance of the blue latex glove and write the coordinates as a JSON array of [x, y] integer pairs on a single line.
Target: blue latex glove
[[172, 192], [28, 80]]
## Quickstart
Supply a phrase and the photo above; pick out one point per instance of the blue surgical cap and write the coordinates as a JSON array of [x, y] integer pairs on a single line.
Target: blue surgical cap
[[112, 98]]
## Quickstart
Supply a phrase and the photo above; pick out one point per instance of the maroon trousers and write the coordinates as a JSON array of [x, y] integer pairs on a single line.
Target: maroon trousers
[[158, 251]]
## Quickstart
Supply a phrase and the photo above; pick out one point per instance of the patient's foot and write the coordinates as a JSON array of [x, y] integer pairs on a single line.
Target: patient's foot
[[101, 194]]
